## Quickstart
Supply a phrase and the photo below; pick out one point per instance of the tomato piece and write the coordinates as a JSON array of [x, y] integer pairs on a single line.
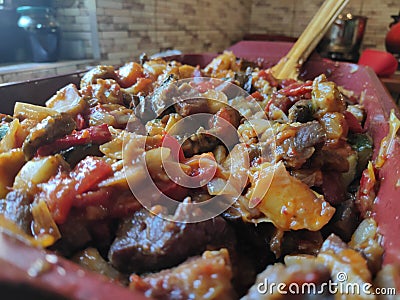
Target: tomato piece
[[124, 205], [172, 143], [352, 122], [128, 74], [89, 172], [257, 95], [286, 82], [59, 193], [172, 190], [298, 89], [279, 101], [267, 75], [98, 197]]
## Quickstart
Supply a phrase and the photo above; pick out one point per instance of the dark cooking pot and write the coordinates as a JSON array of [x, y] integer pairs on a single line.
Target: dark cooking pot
[[343, 39]]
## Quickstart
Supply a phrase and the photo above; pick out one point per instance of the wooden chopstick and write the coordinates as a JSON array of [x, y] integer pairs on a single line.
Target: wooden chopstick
[[289, 65]]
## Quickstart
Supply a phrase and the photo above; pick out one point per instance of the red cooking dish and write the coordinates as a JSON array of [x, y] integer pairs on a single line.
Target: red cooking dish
[[16, 257]]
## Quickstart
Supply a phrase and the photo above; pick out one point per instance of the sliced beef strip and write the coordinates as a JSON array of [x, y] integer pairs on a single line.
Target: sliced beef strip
[[205, 277], [147, 242], [16, 207]]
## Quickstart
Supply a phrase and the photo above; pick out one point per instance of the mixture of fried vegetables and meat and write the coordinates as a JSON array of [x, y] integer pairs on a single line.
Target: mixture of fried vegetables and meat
[[300, 216]]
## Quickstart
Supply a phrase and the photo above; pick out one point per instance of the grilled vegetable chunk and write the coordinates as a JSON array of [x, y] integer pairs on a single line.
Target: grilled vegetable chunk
[[288, 203], [47, 131], [10, 164]]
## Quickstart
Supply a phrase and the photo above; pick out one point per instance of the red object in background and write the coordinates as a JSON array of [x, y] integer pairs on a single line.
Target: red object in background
[[382, 62], [392, 41]]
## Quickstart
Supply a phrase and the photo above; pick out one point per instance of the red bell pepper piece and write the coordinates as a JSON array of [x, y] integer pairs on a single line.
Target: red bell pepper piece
[[256, 95], [286, 82], [297, 89], [96, 135], [172, 190], [59, 194], [267, 75]]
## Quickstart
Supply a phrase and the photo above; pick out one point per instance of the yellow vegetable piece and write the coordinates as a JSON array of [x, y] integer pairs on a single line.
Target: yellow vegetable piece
[[286, 201], [33, 112], [14, 137], [37, 171], [388, 141], [10, 163], [43, 223], [12, 229]]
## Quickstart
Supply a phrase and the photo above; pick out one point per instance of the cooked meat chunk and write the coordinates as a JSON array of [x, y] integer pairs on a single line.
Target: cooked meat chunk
[[245, 79], [335, 159], [344, 221], [308, 135], [333, 188], [311, 177], [46, 132], [205, 277], [155, 104], [105, 91], [296, 144], [227, 113], [147, 242], [99, 72], [301, 242], [16, 207], [114, 115], [75, 235], [189, 107], [301, 112], [199, 143]]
